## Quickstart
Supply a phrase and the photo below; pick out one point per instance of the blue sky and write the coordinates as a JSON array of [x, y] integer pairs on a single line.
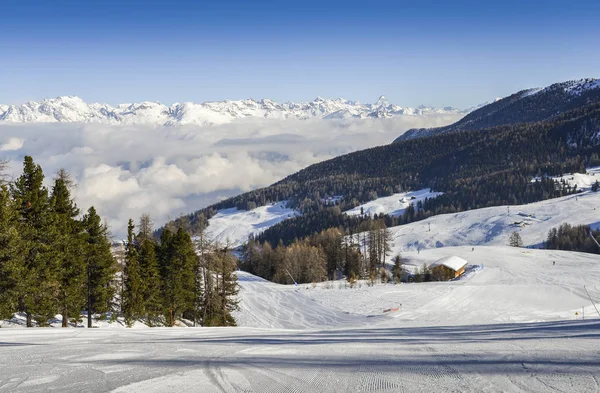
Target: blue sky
[[458, 53]]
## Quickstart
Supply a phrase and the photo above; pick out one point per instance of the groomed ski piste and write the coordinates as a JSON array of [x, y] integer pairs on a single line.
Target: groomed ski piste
[[513, 323]]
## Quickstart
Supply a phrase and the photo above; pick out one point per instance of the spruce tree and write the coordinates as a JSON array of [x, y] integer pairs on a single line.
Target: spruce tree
[[178, 265], [149, 270], [133, 304], [39, 280], [515, 240], [397, 271], [11, 257], [99, 264], [67, 248]]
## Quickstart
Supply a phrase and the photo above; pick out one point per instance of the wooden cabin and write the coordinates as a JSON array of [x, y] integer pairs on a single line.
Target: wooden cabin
[[453, 265]]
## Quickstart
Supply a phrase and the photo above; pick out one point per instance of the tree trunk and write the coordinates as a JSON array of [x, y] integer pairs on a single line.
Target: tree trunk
[[89, 301], [65, 319], [29, 320]]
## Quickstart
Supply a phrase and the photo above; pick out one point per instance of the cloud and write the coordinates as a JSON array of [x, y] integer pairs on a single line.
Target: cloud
[[125, 171], [12, 144]]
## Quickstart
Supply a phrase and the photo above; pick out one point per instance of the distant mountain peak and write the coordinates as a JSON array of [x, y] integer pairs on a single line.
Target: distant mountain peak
[[73, 109]]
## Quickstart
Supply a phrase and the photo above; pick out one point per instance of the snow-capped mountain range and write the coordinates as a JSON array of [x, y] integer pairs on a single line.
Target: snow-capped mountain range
[[71, 109]]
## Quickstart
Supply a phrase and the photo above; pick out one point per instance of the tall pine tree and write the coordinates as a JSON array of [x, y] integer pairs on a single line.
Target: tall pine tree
[[67, 248], [99, 265], [11, 256], [178, 261], [133, 304], [39, 280], [149, 270]]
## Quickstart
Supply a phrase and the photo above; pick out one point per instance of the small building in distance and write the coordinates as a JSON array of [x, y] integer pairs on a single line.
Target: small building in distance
[[452, 266]]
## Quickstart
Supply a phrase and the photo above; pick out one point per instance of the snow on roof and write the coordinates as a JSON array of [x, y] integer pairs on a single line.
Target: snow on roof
[[453, 262]]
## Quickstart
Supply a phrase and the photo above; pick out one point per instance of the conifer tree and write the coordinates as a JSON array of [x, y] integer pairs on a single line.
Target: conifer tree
[[228, 289], [178, 261], [515, 240], [133, 305], [149, 270], [39, 280], [11, 256], [100, 265], [397, 269], [67, 247]]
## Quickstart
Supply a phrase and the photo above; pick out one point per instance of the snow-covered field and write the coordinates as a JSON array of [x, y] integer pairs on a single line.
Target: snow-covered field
[[233, 226], [394, 205], [510, 327], [493, 226]]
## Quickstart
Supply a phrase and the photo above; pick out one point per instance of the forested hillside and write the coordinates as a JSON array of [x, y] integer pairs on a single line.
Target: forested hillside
[[526, 106], [473, 169]]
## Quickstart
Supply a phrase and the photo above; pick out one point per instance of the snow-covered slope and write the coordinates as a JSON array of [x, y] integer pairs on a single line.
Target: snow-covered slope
[[513, 285], [393, 205], [74, 109], [268, 305], [493, 225], [233, 226]]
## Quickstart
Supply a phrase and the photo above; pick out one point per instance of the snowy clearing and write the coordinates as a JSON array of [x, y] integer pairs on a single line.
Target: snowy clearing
[[233, 226], [394, 205], [583, 181], [493, 225]]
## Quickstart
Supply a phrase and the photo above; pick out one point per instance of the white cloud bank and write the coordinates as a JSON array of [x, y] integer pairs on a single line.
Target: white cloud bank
[[125, 171]]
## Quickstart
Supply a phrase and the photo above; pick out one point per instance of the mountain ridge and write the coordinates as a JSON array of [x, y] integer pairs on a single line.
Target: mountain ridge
[[525, 106], [72, 109]]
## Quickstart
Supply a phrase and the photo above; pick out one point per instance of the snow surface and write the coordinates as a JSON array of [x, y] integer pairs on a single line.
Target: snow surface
[[393, 205], [583, 181], [512, 285], [74, 110], [573, 87], [452, 336], [493, 225], [233, 226]]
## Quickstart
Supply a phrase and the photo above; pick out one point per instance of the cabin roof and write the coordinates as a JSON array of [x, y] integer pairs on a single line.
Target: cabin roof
[[452, 262]]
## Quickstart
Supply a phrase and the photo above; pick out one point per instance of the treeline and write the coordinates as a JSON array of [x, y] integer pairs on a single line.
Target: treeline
[[175, 278], [321, 256], [573, 238], [51, 262]]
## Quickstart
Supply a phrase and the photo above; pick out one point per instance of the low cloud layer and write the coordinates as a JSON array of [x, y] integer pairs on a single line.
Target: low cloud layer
[[126, 171]]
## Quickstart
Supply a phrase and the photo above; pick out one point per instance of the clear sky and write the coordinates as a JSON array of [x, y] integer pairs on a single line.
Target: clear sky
[[457, 53]]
